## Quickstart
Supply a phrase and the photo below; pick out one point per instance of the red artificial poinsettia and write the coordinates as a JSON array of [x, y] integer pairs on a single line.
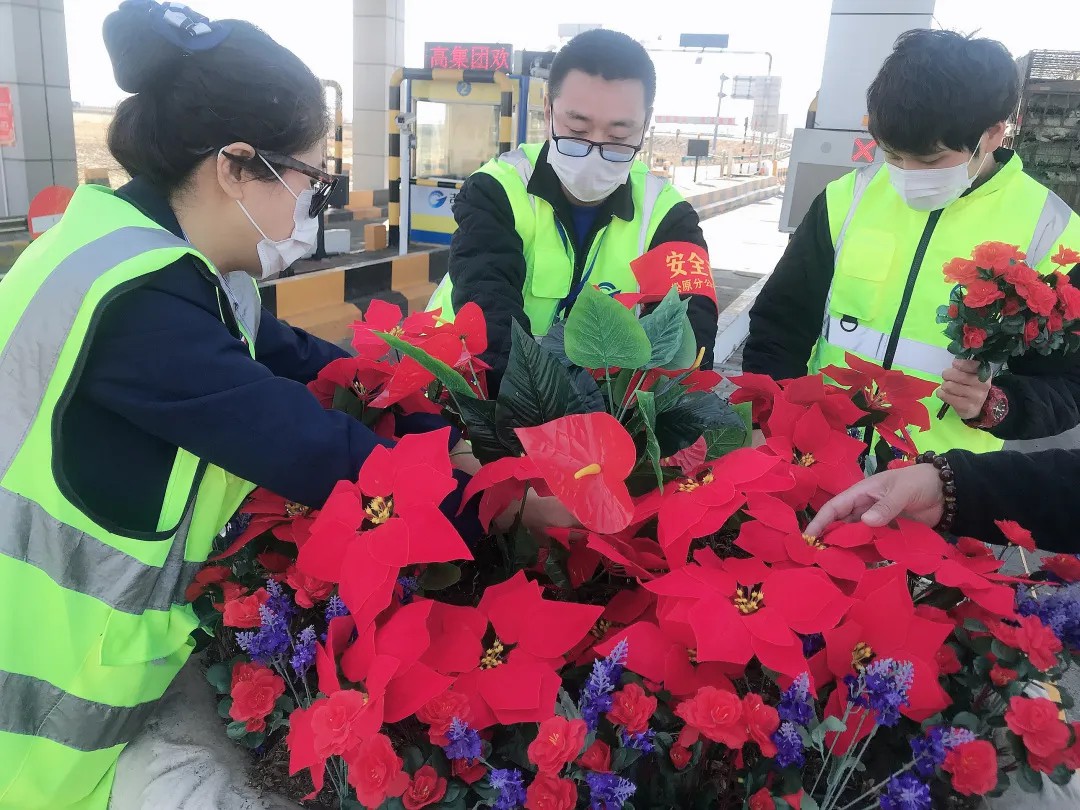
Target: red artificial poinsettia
[[409, 378], [585, 460], [470, 329], [740, 608], [760, 390], [382, 316], [1065, 567], [775, 536], [1016, 534], [803, 393], [287, 520], [210, 575], [368, 531], [362, 376], [627, 555], [506, 652]]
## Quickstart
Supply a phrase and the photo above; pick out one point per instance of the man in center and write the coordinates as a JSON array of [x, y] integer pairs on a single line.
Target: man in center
[[539, 223]]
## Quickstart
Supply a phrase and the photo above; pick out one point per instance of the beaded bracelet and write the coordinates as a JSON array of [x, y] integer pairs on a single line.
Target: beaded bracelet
[[948, 487]]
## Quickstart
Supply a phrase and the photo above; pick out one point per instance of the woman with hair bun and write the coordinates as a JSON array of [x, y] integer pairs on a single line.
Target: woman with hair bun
[[146, 391]]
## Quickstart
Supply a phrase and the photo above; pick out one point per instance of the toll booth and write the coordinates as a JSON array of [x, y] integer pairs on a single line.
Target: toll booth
[[444, 124]]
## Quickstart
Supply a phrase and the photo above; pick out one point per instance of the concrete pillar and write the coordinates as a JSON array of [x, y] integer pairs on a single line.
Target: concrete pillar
[[34, 65], [378, 50]]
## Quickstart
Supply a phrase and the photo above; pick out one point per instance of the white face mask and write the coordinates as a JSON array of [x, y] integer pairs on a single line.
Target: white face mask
[[590, 178], [275, 257], [931, 189]]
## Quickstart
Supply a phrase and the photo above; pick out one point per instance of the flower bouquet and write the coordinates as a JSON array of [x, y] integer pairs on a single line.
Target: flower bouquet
[[1002, 308], [688, 647]]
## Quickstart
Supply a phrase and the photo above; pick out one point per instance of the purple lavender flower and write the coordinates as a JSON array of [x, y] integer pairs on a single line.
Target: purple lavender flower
[[510, 786], [279, 602], [642, 742], [929, 751], [270, 641], [606, 790], [596, 694], [303, 652], [1060, 611], [409, 588], [906, 792], [789, 745], [335, 608], [795, 705], [464, 741], [883, 687]]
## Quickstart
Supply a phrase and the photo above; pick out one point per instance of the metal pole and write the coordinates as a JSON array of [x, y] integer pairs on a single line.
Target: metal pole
[[3, 183], [652, 137], [765, 117], [719, 100]]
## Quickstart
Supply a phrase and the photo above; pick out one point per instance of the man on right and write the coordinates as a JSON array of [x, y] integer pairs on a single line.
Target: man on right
[[863, 272]]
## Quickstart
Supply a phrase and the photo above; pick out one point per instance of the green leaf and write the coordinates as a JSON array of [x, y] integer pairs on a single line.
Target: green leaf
[[827, 726], [454, 790], [646, 404], [285, 704], [1027, 779], [664, 328], [236, 730], [688, 349], [966, 720], [1004, 653], [223, 708], [457, 803], [566, 707], [790, 781], [439, 576], [623, 759], [255, 739], [1061, 776], [478, 417], [974, 625], [602, 334], [555, 568], [448, 376], [695, 413], [808, 803], [413, 758], [220, 677]]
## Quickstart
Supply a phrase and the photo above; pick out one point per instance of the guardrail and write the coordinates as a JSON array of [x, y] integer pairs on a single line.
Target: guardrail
[[12, 224]]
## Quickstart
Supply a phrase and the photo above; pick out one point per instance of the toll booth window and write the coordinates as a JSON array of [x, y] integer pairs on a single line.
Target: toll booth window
[[454, 140], [537, 132]]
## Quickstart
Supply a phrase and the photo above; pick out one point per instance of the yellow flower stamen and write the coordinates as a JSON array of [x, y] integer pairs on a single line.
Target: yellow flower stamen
[[294, 509], [749, 600], [592, 469], [690, 484], [805, 460], [692, 655], [698, 359], [493, 656], [379, 509], [813, 542], [862, 655], [601, 627]]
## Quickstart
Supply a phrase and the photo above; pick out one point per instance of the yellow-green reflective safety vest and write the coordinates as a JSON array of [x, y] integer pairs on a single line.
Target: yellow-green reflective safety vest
[[94, 623], [888, 253], [550, 252]]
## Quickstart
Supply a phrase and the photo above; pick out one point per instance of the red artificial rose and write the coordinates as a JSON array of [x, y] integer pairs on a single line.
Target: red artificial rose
[[1002, 676], [715, 713], [947, 661], [255, 690], [426, 787], [1037, 722], [243, 611], [211, 575], [439, 713], [375, 771], [961, 271], [761, 721], [996, 256], [1065, 257], [1038, 642], [680, 756], [1012, 306], [632, 708], [558, 743], [982, 294], [309, 590], [1069, 297], [1040, 297], [597, 757], [974, 337], [548, 792], [762, 800], [336, 723], [1031, 330], [468, 770], [954, 311], [974, 768], [1020, 276], [1072, 753], [1016, 534], [1065, 567]]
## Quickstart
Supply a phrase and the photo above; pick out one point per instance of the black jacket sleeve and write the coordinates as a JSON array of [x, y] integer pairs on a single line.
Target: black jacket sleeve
[[785, 321], [1037, 490], [682, 225], [1043, 392], [487, 265], [293, 353]]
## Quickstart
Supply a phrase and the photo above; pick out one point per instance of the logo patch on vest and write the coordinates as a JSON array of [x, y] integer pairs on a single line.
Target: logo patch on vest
[[608, 288]]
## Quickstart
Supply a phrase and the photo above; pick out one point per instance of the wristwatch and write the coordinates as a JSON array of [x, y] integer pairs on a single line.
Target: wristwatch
[[993, 412]]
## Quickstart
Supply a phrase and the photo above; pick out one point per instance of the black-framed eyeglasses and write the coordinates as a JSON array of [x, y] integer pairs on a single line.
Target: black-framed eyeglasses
[[580, 147], [322, 185]]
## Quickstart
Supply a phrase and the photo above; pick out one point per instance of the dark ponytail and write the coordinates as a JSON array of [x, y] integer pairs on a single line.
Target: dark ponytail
[[200, 88]]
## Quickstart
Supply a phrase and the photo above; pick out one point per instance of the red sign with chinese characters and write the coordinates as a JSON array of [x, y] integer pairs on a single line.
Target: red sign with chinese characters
[[682, 265], [7, 117], [468, 56]]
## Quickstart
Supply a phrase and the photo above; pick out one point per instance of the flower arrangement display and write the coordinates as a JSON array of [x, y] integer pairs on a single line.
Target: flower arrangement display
[[687, 647], [1002, 308]]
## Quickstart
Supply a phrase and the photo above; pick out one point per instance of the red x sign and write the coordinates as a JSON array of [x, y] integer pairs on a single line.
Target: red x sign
[[864, 150]]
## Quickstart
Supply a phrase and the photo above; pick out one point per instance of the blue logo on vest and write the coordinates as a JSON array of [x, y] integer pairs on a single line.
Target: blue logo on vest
[[608, 288], [437, 198]]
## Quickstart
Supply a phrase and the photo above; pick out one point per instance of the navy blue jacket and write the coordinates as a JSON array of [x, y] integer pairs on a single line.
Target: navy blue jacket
[[162, 370]]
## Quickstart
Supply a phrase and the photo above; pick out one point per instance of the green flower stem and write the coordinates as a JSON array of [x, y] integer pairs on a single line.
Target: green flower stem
[[828, 756], [877, 787], [835, 794]]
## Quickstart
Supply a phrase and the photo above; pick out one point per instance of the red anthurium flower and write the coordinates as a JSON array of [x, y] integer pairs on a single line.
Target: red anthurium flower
[[585, 460], [507, 651], [1066, 257], [882, 623], [389, 519], [825, 461], [503, 482], [1016, 534], [775, 536], [288, 520]]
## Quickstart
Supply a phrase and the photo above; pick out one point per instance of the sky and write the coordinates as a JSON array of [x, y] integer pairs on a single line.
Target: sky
[[793, 30]]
